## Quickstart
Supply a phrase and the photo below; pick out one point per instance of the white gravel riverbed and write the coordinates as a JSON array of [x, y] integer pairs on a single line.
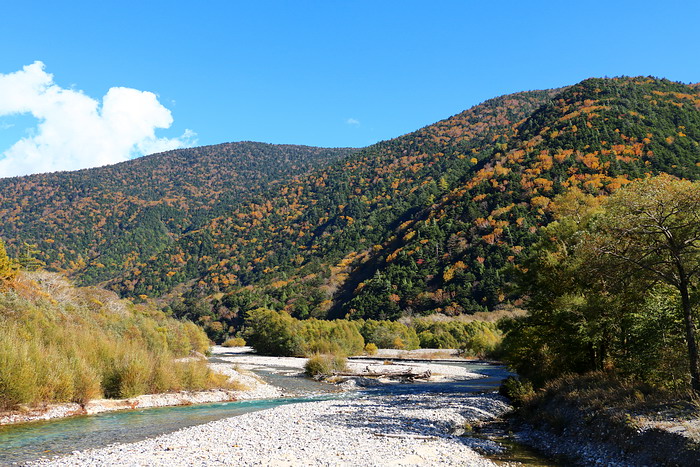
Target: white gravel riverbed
[[418, 429]]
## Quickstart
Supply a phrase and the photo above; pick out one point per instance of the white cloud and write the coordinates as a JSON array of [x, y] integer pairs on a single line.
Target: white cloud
[[76, 131], [352, 121]]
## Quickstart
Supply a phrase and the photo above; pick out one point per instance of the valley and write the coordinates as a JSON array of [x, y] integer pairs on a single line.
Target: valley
[[555, 231]]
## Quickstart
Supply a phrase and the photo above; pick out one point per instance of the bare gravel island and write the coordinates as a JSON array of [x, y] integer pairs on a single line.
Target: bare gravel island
[[354, 429]]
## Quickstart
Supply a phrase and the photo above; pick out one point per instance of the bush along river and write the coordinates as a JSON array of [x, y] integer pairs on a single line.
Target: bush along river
[[29, 442]]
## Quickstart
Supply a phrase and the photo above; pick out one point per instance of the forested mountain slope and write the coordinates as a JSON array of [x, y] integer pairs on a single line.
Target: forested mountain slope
[[98, 222], [431, 221], [596, 136], [292, 249]]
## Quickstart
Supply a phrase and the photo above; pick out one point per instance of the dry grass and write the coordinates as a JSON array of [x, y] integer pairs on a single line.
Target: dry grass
[[59, 343], [598, 395], [652, 426], [598, 390], [432, 355]]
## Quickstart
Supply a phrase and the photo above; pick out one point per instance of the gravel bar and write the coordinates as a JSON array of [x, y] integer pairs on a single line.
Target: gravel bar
[[402, 430]]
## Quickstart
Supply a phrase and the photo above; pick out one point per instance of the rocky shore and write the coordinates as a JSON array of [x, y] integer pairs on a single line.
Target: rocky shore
[[596, 419], [416, 429], [346, 428], [603, 442]]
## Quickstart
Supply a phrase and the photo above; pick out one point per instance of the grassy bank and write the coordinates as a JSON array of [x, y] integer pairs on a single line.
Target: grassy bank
[[59, 343]]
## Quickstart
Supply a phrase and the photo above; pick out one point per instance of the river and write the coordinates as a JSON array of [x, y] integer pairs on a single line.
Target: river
[[30, 441]]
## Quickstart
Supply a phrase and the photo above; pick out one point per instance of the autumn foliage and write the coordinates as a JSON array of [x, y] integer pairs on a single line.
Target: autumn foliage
[[434, 221]]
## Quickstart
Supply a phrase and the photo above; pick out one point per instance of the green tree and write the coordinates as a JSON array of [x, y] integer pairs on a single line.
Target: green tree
[[27, 257], [273, 333], [652, 229], [585, 306], [573, 310]]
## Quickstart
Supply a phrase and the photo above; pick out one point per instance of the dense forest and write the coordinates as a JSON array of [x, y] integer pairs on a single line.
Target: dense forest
[[96, 223], [612, 284], [431, 222], [305, 247]]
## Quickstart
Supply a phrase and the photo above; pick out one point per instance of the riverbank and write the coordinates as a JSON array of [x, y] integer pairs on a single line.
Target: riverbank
[[596, 419], [245, 386], [239, 364], [404, 424], [405, 429], [435, 361]]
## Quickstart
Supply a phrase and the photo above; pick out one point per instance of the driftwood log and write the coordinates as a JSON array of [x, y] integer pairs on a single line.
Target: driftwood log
[[388, 374]]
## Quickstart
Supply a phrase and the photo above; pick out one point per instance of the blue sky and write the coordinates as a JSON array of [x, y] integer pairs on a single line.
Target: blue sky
[[326, 73]]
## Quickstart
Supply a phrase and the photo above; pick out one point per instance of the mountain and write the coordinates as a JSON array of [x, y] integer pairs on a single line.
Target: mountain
[[295, 248], [96, 223], [431, 221], [596, 136]]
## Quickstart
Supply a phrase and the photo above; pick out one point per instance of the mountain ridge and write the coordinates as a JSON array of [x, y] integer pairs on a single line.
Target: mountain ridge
[[166, 193]]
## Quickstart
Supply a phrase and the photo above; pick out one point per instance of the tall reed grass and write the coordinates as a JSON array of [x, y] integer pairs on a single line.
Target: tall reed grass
[[59, 343]]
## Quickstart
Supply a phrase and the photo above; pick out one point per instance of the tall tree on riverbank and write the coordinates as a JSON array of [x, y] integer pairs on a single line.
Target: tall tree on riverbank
[[606, 281], [575, 310], [653, 228]]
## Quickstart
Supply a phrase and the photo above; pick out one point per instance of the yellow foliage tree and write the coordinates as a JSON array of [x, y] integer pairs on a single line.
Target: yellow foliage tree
[[8, 266]]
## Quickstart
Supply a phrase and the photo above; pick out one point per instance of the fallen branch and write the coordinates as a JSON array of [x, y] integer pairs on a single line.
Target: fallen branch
[[391, 435]]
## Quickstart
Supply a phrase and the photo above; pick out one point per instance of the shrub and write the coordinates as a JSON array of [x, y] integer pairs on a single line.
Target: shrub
[[86, 383], [331, 337], [234, 342], [475, 338], [18, 383], [326, 364], [517, 390], [59, 343], [133, 375], [389, 335], [371, 349], [277, 333], [273, 333], [437, 340]]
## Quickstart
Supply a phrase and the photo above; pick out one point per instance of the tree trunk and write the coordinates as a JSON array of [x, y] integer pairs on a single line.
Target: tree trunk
[[690, 337]]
